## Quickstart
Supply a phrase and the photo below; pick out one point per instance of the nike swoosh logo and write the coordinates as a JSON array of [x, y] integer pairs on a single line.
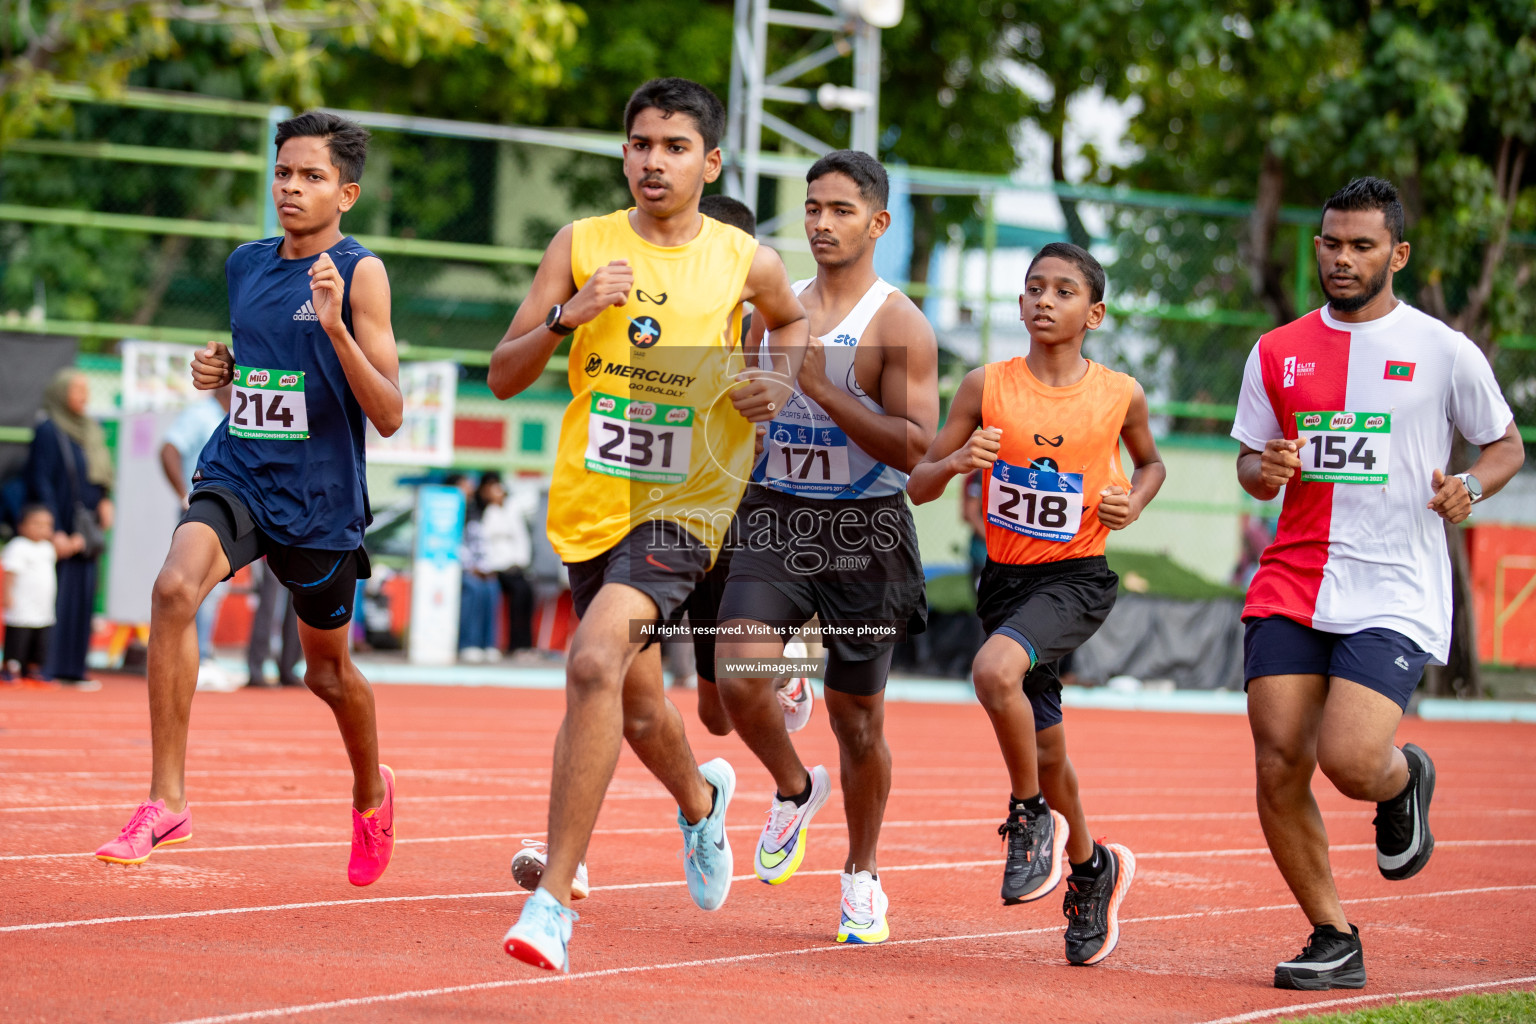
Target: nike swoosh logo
[[1397, 860], [720, 845], [771, 859], [652, 559], [154, 840]]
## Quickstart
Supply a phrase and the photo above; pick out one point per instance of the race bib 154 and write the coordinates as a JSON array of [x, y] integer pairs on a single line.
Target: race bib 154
[[1344, 447], [268, 405], [639, 440], [1038, 503]]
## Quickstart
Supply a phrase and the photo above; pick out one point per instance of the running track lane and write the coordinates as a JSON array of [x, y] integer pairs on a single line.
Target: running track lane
[[1205, 922]]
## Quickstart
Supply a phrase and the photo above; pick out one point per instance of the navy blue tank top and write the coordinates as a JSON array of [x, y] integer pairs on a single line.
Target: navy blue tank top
[[310, 492]]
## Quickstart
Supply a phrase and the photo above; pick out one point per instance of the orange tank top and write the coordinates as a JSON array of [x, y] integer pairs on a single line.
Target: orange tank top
[[1060, 448]]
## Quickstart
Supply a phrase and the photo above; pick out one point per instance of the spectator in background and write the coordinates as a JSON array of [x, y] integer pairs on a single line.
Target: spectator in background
[[506, 519], [972, 501], [69, 470], [478, 591], [31, 596], [184, 442]]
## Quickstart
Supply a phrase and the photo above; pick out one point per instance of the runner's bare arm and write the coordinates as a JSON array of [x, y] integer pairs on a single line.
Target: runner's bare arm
[[764, 392], [1262, 474], [908, 391], [524, 351], [1117, 509], [1496, 465], [960, 445], [367, 352]]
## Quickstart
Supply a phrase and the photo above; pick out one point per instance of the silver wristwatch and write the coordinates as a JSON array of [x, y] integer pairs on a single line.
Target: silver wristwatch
[[1474, 487]]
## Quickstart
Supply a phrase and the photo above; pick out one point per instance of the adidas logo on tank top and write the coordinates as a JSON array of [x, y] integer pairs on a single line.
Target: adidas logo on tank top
[[306, 311]]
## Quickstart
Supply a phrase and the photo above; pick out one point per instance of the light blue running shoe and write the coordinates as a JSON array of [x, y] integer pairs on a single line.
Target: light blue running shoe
[[706, 849], [542, 932]]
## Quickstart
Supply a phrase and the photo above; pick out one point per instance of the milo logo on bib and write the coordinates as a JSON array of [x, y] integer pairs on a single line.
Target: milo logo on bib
[[639, 440], [1344, 447], [268, 405]]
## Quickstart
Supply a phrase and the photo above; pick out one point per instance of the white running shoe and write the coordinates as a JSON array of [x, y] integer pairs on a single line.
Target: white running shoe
[[795, 695], [528, 869], [781, 846], [863, 910], [214, 678]]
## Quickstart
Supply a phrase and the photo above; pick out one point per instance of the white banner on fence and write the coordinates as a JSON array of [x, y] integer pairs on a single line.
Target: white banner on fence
[[425, 437]]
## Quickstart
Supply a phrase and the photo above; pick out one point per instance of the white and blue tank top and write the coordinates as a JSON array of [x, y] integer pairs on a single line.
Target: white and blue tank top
[[805, 453]]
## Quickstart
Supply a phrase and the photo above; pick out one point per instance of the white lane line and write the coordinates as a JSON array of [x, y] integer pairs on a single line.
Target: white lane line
[[1247, 851], [545, 979], [943, 865], [1309, 1008]]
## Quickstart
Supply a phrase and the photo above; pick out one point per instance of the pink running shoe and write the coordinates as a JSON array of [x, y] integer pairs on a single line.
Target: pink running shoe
[[373, 836], [151, 826]]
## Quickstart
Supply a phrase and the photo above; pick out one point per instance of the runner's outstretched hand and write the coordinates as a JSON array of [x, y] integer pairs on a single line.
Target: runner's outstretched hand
[[1115, 507], [213, 367], [326, 290], [977, 453], [1452, 499], [608, 286], [1279, 462]]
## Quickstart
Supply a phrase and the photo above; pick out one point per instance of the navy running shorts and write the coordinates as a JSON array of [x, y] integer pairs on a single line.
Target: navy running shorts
[[1383, 660], [323, 583]]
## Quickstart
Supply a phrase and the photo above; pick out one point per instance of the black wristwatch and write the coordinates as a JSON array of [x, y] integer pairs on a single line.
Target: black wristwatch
[[1474, 487], [552, 321]]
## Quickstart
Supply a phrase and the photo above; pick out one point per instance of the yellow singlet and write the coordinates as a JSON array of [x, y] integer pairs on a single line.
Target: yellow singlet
[[651, 432]]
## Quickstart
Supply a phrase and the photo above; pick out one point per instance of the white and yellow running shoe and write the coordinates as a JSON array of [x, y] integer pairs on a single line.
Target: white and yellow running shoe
[[781, 846], [863, 910]]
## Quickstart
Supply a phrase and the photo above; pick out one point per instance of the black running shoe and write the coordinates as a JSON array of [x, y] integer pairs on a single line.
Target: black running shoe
[[1092, 905], [1331, 960], [1035, 847], [1403, 839]]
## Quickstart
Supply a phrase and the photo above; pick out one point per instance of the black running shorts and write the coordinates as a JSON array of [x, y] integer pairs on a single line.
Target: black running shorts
[[852, 564], [658, 558], [1049, 609], [703, 606], [323, 583]]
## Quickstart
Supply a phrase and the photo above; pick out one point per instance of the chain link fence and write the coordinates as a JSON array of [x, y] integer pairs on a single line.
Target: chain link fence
[[118, 224]]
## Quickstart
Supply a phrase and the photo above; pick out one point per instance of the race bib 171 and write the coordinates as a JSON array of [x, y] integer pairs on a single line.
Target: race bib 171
[[639, 440], [806, 459], [1038, 503], [268, 405], [1344, 447]]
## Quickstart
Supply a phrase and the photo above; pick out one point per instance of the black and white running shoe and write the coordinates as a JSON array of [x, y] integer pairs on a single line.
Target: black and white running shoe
[[1036, 845], [1332, 959], [1092, 905], [1403, 839]]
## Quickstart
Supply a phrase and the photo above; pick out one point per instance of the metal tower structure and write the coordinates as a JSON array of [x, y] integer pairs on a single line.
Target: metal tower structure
[[854, 26]]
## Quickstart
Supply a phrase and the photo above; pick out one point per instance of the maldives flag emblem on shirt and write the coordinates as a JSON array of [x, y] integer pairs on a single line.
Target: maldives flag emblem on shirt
[[1399, 371]]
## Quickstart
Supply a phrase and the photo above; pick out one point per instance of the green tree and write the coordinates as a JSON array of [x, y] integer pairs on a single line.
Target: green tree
[[287, 46], [1282, 102]]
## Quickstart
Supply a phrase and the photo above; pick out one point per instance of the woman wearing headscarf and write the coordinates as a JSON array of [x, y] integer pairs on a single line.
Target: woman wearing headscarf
[[70, 470]]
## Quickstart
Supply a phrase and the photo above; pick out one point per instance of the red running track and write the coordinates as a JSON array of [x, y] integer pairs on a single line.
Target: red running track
[[254, 920]]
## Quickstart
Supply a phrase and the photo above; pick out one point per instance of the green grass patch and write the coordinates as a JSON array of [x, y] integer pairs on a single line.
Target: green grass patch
[[1496, 1008]]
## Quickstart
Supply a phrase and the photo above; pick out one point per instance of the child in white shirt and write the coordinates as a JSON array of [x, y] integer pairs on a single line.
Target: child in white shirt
[[31, 593]]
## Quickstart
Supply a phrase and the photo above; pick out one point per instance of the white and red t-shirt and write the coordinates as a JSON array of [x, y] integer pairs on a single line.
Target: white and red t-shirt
[[1357, 547]]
